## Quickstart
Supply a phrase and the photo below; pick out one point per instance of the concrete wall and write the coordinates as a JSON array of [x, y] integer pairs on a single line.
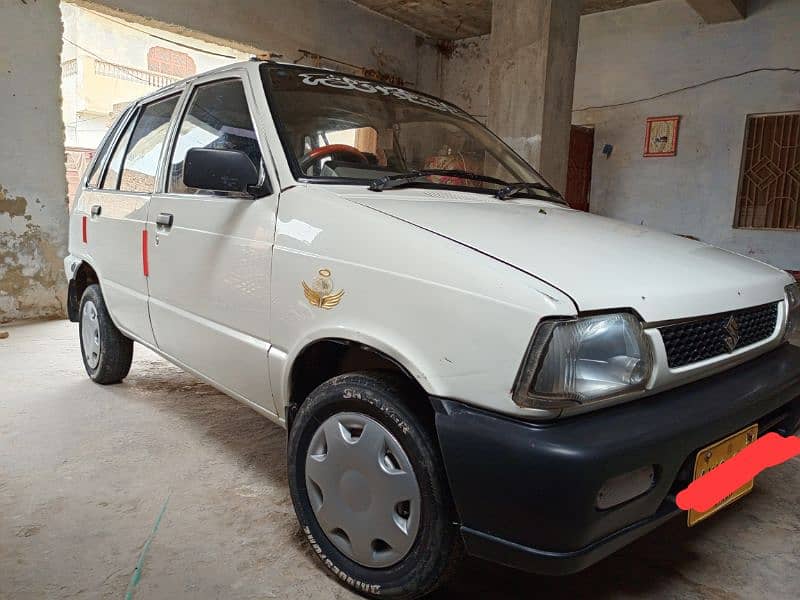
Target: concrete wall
[[461, 74], [639, 52], [340, 29], [643, 51], [33, 208]]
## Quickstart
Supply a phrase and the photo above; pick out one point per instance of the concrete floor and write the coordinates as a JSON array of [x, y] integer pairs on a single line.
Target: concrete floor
[[85, 471]]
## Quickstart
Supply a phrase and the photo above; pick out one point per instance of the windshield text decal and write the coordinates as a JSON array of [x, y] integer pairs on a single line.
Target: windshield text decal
[[342, 82]]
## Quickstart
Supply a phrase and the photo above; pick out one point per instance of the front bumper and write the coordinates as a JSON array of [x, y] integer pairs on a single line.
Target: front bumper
[[526, 492]]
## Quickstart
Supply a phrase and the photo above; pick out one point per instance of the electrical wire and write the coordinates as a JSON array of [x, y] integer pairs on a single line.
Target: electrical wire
[[158, 37], [678, 90], [689, 87]]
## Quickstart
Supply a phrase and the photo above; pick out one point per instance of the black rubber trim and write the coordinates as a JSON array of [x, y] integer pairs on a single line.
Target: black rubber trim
[[73, 302], [526, 492], [517, 556]]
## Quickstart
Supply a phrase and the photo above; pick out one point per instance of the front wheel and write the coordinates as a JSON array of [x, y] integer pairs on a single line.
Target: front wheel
[[107, 353], [369, 488]]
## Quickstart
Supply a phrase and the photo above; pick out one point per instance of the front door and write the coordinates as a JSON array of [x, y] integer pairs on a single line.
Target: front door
[[579, 167], [210, 253]]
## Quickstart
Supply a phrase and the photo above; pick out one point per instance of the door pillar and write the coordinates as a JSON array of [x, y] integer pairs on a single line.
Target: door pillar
[[532, 52]]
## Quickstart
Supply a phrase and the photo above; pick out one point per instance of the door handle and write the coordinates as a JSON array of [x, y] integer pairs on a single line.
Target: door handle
[[96, 210], [164, 220]]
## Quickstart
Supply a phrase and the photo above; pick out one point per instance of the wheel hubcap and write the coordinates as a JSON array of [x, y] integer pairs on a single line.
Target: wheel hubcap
[[363, 489], [90, 334]]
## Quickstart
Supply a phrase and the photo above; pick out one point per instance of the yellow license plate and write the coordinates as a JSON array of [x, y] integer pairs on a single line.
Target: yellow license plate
[[713, 456]]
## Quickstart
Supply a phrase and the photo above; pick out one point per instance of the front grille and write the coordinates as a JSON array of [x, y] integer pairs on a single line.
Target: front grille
[[705, 338]]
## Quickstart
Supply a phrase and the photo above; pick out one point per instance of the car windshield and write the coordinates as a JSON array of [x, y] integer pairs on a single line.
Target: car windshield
[[336, 127]]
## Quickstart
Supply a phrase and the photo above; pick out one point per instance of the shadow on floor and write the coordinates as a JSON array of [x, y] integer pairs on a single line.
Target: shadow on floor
[[243, 435], [647, 568]]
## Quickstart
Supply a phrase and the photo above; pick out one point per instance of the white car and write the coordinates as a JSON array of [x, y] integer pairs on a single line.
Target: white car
[[462, 362]]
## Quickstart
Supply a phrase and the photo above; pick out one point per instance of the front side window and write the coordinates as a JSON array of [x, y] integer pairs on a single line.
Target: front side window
[[336, 126], [140, 164], [217, 118]]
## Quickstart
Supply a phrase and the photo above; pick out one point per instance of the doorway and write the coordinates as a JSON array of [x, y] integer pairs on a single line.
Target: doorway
[[579, 167]]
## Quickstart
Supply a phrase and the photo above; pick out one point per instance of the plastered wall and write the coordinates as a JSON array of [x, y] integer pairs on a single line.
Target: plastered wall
[[33, 207]]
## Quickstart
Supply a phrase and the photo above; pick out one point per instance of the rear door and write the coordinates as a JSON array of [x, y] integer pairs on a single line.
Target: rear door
[[117, 214], [210, 252]]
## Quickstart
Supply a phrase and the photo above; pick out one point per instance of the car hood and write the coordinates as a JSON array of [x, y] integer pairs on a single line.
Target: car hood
[[600, 263]]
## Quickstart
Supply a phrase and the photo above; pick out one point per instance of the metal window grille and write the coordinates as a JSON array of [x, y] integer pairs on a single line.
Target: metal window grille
[[769, 183]]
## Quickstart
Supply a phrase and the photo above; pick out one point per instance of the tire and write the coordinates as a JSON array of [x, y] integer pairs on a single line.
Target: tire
[[107, 353], [435, 552]]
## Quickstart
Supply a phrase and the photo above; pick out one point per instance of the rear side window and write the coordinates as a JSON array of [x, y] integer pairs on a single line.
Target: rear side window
[[144, 148], [111, 179], [217, 117]]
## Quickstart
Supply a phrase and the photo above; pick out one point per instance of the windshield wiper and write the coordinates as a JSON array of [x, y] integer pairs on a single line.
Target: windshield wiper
[[392, 181], [512, 189]]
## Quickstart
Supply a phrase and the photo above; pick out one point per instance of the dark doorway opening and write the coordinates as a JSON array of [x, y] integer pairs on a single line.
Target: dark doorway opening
[[579, 167]]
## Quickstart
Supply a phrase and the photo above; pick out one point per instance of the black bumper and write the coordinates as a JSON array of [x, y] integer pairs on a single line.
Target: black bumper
[[526, 492]]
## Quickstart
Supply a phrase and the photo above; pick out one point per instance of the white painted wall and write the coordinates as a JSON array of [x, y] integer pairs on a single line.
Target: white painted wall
[[642, 51], [33, 207], [655, 48]]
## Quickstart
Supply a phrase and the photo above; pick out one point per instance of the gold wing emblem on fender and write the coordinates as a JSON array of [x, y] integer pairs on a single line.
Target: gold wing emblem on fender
[[312, 296], [331, 300], [320, 292]]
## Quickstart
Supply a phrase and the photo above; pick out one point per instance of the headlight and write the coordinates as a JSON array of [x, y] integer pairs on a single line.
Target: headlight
[[585, 360], [793, 300]]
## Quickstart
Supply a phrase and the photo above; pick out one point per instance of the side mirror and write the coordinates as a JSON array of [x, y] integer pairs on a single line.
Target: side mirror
[[222, 171]]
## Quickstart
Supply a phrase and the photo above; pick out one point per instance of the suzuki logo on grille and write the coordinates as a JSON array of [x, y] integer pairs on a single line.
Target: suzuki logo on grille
[[733, 337]]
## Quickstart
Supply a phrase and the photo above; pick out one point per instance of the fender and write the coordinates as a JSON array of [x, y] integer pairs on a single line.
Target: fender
[[282, 362]]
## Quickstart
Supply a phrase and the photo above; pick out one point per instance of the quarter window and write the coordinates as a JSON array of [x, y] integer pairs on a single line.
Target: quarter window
[[93, 180], [218, 118], [144, 149], [111, 179]]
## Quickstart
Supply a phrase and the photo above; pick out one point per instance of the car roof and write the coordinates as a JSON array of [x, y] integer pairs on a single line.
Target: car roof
[[259, 61]]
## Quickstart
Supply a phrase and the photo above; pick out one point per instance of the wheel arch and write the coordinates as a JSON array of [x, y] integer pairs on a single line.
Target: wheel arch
[[323, 358], [84, 276]]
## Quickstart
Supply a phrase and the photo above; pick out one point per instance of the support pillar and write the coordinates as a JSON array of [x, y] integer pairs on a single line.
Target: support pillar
[[532, 53], [33, 181]]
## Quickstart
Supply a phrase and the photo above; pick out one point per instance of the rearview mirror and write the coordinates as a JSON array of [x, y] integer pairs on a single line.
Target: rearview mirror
[[221, 171]]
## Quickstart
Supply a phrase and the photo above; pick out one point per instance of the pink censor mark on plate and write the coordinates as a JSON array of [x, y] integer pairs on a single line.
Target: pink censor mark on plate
[[768, 451]]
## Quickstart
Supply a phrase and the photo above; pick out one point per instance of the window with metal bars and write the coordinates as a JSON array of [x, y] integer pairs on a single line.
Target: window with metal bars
[[769, 182]]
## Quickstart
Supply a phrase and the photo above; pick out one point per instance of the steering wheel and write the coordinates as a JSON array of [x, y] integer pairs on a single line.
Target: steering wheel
[[329, 150]]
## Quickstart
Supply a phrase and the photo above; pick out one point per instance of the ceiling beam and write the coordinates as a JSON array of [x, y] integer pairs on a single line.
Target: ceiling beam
[[720, 11]]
